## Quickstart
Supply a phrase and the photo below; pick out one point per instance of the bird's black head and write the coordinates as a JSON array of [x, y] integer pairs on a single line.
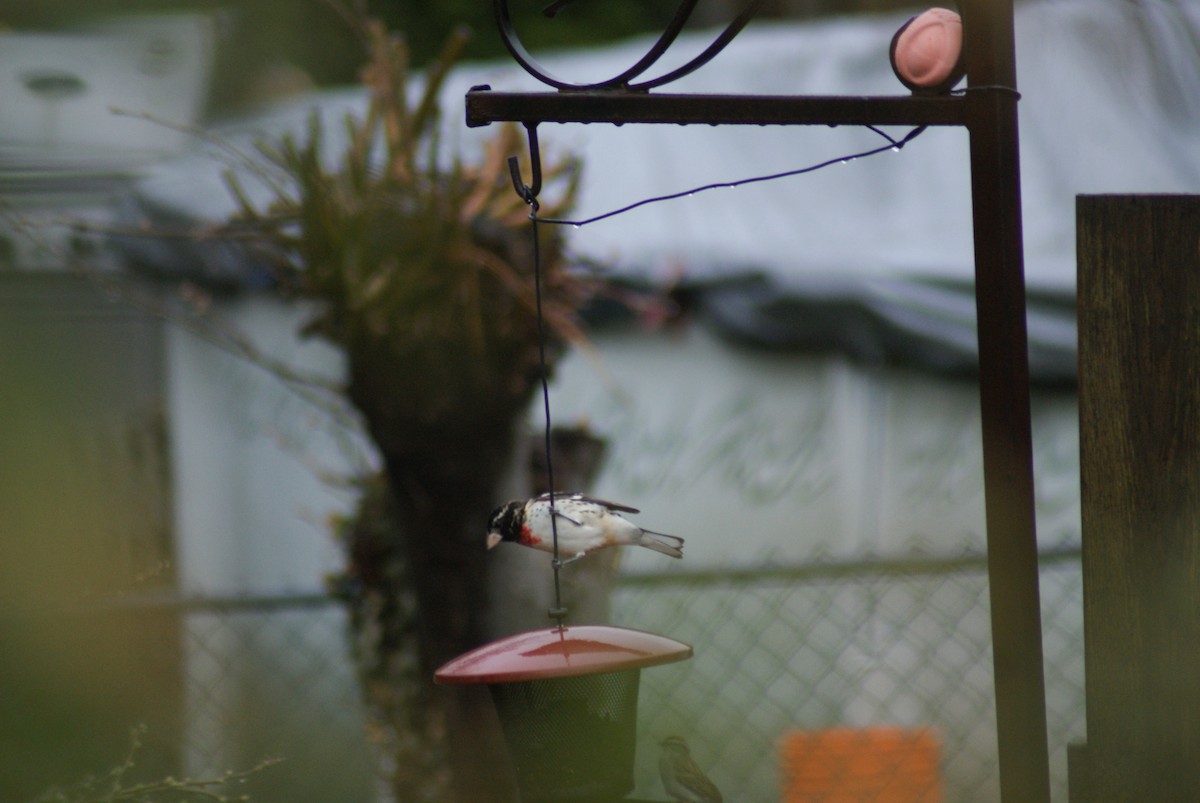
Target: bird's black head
[[505, 523]]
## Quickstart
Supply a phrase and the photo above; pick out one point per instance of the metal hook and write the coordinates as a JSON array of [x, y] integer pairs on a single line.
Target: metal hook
[[528, 192]]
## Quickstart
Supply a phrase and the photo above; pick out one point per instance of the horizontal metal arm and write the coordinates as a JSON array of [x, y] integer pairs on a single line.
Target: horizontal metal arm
[[618, 107]]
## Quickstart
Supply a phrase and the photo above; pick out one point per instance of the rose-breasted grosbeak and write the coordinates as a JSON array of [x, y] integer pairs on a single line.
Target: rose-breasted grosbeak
[[584, 525], [682, 779]]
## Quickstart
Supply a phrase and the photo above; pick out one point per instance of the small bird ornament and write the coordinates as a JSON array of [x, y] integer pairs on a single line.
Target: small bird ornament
[[584, 525], [682, 779]]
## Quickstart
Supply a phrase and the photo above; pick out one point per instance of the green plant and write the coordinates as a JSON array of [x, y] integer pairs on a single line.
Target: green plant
[[116, 787], [398, 244]]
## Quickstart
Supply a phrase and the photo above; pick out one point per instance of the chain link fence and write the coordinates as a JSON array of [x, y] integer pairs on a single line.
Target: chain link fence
[[845, 649], [261, 685], [271, 678], [851, 650], [781, 655]]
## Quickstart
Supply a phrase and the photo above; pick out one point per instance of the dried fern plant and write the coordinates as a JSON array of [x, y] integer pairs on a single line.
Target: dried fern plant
[[415, 262]]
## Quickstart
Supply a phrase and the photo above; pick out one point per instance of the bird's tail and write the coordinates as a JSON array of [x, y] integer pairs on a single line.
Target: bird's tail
[[661, 542]]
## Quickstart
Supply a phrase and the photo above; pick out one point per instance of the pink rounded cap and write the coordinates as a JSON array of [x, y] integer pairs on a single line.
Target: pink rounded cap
[[560, 653], [927, 50]]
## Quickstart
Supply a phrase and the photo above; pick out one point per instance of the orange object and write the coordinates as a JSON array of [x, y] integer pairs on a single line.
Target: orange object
[[861, 765]]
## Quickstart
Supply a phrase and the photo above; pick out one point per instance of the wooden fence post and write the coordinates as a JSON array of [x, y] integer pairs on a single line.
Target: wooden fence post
[[1139, 394]]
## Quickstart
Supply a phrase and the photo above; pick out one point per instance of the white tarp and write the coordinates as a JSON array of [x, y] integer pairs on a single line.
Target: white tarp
[[1110, 103]]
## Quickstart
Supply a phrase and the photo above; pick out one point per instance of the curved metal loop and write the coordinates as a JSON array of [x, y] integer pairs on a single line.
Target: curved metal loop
[[523, 57], [622, 80], [709, 53]]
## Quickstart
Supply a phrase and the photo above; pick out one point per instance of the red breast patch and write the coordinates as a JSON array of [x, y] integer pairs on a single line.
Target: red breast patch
[[527, 536]]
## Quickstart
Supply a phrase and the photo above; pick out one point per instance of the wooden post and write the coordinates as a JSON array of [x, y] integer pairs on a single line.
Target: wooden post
[[1139, 393]]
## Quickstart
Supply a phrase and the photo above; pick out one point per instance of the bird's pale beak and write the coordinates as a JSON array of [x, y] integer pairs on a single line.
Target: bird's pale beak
[[493, 539]]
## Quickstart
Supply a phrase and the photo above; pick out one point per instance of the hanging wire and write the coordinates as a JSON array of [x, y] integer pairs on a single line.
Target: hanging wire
[[893, 144], [529, 195], [558, 612]]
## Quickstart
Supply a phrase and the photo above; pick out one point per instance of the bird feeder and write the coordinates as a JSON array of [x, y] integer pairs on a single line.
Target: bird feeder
[[567, 702]]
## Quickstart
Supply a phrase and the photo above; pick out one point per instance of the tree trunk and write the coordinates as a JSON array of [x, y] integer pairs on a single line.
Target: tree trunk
[[441, 512], [446, 445]]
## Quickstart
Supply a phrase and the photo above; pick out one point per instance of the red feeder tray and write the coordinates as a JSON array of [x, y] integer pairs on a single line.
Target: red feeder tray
[[561, 653]]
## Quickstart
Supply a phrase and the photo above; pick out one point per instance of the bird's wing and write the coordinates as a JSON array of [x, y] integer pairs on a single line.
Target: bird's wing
[[604, 502], [562, 515]]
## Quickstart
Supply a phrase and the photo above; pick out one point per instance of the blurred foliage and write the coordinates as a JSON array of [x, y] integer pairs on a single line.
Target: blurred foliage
[[117, 786], [420, 266], [308, 34]]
